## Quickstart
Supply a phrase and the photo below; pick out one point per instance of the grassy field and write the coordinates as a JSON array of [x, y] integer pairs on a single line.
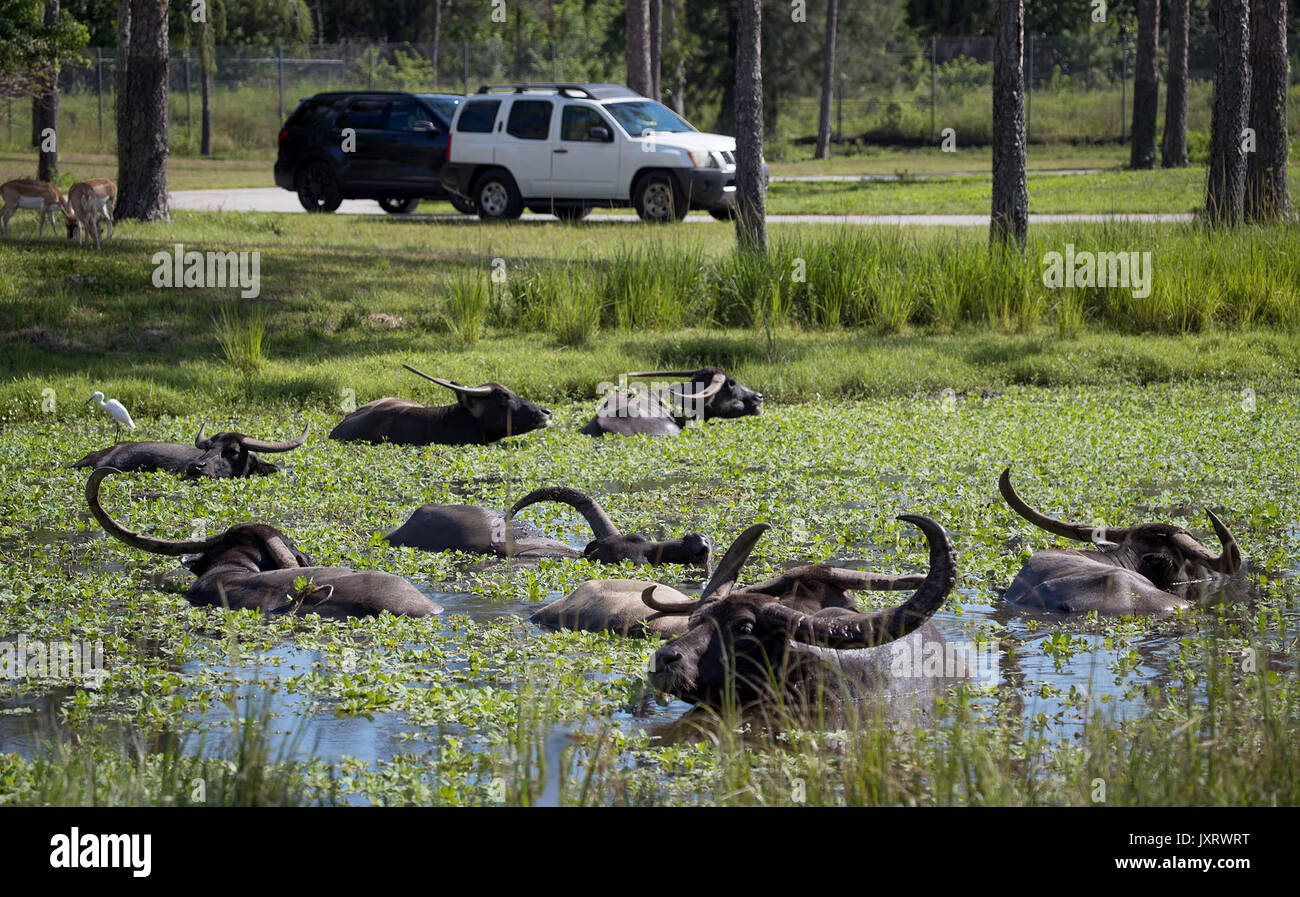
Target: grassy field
[[833, 312]]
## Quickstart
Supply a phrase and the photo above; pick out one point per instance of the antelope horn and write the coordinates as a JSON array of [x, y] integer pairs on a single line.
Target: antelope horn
[[200, 441], [1051, 524], [592, 512], [714, 385], [452, 384], [134, 539], [257, 445], [1228, 562], [675, 603], [870, 630]]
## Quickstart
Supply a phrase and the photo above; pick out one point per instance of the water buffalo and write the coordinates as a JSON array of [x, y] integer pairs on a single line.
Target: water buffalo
[[219, 456], [799, 638], [1148, 568], [663, 410], [482, 414], [252, 566], [486, 531], [614, 605]]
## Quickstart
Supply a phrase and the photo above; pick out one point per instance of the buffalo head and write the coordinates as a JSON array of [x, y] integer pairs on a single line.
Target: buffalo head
[[609, 546], [1146, 567], [740, 643], [708, 393], [249, 547], [497, 411], [234, 454]]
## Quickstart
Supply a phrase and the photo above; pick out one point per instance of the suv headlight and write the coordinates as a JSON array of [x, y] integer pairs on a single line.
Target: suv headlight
[[704, 160]]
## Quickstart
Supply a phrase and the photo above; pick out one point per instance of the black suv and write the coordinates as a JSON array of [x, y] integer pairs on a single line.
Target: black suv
[[367, 145]]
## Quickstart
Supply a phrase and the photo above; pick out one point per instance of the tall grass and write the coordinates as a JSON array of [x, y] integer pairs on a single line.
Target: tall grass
[[468, 304], [242, 337], [888, 281]]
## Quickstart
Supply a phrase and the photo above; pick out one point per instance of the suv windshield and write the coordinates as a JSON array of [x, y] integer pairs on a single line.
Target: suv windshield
[[444, 106], [639, 116]]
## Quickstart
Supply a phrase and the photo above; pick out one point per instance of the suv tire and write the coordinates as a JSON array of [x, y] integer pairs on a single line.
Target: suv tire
[[496, 198], [727, 214], [318, 188], [658, 199], [400, 206]]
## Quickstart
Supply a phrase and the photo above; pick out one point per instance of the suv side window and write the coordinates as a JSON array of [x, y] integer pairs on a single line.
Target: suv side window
[[402, 114], [361, 114], [530, 119], [478, 116], [309, 114], [577, 121]]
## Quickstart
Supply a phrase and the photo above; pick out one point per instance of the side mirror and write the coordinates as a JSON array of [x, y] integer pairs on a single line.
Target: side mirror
[[426, 127], [601, 133]]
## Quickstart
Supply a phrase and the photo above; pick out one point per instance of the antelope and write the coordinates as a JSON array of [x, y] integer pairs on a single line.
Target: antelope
[[89, 200], [25, 193]]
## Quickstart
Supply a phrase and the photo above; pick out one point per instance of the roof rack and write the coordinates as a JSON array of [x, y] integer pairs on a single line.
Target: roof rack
[[581, 91]]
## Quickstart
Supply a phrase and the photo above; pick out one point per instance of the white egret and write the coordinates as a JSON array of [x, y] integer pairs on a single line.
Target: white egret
[[114, 409]]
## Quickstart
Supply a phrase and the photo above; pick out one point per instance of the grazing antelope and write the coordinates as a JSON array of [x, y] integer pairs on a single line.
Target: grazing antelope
[[28, 194], [89, 200]]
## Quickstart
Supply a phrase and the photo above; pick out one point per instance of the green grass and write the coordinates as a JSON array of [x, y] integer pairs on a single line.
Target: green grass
[[838, 312]]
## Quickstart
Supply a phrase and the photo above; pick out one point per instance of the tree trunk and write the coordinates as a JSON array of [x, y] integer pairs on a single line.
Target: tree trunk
[[1173, 152], [119, 75], [828, 83], [142, 145], [207, 50], [1010, 218], [48, 106], [320, 24], [726, 123], [673, 17], [437, 37], [1266, 197], [1146, 86], [656, 46], [638, 46], [1226, 186], [751, 201]]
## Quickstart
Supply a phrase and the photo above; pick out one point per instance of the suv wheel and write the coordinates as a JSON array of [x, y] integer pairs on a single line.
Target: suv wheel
[[724, 214], [496, 198], [318, 188], [658, 199], [399, 206]]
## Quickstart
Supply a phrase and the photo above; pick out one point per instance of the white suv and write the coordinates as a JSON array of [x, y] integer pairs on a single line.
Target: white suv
[[567, 148]]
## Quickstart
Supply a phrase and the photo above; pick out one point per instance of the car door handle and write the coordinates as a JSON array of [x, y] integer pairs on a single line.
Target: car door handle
[[559, 151]]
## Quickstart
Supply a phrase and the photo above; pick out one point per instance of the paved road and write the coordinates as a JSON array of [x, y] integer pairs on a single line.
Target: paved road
[[273, 199]]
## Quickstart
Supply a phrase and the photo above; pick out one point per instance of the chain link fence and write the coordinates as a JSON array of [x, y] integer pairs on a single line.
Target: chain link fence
[[1079, 89]]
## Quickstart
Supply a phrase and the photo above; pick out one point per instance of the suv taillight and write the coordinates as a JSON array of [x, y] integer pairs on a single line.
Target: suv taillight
[[283, 134], [448, 159]]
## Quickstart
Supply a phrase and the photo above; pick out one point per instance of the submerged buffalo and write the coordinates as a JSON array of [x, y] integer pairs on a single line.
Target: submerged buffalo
[[798, 637], [486, 531], [252, 566], [662, 410], [482, 414], [219, 456], [1148, 568]]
